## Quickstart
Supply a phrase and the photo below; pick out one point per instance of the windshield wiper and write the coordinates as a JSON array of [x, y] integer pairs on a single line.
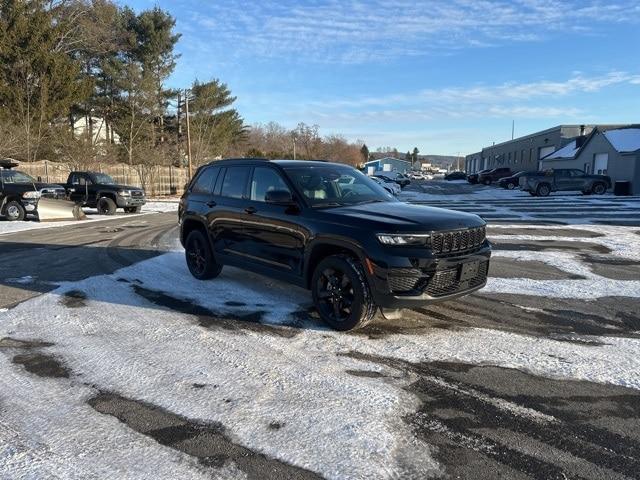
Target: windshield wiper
[[329, 204]]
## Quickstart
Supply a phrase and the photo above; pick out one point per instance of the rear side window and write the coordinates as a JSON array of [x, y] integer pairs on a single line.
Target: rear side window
[[205, 181], [235, 181]]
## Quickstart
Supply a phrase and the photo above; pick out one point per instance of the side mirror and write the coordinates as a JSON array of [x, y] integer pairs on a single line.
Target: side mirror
[[279, 197]]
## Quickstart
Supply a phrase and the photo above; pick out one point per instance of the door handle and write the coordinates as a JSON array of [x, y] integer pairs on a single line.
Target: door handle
[[211, 204], [250, 210]]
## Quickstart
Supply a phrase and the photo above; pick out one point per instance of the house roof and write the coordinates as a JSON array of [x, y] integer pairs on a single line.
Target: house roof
[[568, 151], [624, 139]]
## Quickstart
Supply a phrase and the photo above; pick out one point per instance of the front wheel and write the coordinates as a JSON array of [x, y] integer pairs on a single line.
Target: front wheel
[[200, 259], [106, 206], [341, 293], [599, 189], [511, 186], [14, 211], [543, 190], [487, 181]]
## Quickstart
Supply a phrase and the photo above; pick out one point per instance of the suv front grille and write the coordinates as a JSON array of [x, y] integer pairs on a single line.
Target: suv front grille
[[457, 241], [446, 282], [438, 284], [137, 193]]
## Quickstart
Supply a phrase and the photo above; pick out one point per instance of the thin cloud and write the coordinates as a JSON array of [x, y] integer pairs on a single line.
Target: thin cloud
[[352, 31]]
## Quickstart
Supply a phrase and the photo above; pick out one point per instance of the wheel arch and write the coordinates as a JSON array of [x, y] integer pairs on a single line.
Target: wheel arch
[[323, 248], [188, 226]]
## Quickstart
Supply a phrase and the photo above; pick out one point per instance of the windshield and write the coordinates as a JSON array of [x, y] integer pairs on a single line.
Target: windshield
[[14, 176], [103, 179], [336, 185]]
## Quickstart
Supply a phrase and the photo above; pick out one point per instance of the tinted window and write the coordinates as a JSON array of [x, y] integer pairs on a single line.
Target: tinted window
[[234, 182], [265, 180], [204, 182]]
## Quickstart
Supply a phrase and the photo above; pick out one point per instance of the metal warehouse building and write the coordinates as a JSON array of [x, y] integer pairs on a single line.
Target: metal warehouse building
[[389, 164], [614, 152], [525, 153]]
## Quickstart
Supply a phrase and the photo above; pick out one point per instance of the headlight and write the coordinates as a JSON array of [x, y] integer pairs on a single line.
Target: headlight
[[404, 239], [124, 193], [31, 195]]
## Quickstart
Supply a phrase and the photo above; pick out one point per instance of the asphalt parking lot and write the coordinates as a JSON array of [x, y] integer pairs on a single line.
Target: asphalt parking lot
[[114, 363]]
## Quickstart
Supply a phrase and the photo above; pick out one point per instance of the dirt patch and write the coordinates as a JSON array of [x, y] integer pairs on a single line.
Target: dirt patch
[[42, 365], [208, 442], [237, 322], [275, 425], [8, 342], [74, 299]]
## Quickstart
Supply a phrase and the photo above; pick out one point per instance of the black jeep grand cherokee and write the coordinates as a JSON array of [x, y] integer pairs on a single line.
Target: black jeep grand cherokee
[[329, 228]]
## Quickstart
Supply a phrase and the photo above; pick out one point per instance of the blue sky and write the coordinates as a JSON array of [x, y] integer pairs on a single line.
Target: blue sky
[[447, 76]]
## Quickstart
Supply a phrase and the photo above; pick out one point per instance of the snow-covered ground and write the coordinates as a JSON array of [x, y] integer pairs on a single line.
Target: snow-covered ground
[[287, 369], [155, 206]]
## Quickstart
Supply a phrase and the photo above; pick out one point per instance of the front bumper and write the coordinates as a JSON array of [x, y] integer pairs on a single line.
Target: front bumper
[[430, 280], [124, 202]]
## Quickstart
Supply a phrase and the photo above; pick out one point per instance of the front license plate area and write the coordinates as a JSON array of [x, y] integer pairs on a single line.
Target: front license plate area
[[469, 270]]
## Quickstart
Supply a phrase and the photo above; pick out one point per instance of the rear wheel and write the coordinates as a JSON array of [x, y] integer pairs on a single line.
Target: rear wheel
[[511, 186], [341, 293], [200, 259], [14, 211], [599, 189], [106, 206], [543, 190]]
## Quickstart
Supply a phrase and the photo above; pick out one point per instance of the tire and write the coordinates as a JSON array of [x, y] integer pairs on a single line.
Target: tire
[[486, 181], [341, 293], [132, 209], [599, 188], [14, 211], [511, 186], [200, 260], [543, 190], [106, 206]]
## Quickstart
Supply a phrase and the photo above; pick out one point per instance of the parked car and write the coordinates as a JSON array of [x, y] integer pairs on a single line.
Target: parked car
[[565, 179], [99, 190], [494, 175], [355, 247], [473, 177], [455, 176], [20, 193], [392, 187], [399, 178], [514, 180]]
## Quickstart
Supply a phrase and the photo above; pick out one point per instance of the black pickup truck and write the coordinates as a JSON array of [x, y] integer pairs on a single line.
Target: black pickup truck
[[20, 193], [564, 179], [99, 190]]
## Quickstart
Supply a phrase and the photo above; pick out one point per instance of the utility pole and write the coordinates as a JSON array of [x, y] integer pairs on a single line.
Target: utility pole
[[186, 111], [294, 145], [513, 128]]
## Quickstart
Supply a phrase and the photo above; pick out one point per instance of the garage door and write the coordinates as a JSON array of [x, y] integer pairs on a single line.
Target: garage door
[[601, 163]]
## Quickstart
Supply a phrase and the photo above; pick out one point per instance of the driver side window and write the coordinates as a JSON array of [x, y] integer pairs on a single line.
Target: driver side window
[[265, 180]]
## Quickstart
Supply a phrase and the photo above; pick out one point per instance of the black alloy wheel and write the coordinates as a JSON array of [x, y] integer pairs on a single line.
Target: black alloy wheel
[[341, 293], [200, 260]]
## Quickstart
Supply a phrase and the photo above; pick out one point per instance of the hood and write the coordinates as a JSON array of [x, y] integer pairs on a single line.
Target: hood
[[123, 187], [402, 217]]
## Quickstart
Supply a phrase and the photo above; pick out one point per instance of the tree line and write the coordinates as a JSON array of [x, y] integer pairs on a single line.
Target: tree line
[[85, 81]]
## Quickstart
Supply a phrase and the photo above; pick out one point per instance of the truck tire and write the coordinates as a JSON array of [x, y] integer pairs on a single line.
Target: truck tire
[[341, 293], [14, 211], [106, 206], [200, 260], [599, 188], [543, 190], [133, 209]]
